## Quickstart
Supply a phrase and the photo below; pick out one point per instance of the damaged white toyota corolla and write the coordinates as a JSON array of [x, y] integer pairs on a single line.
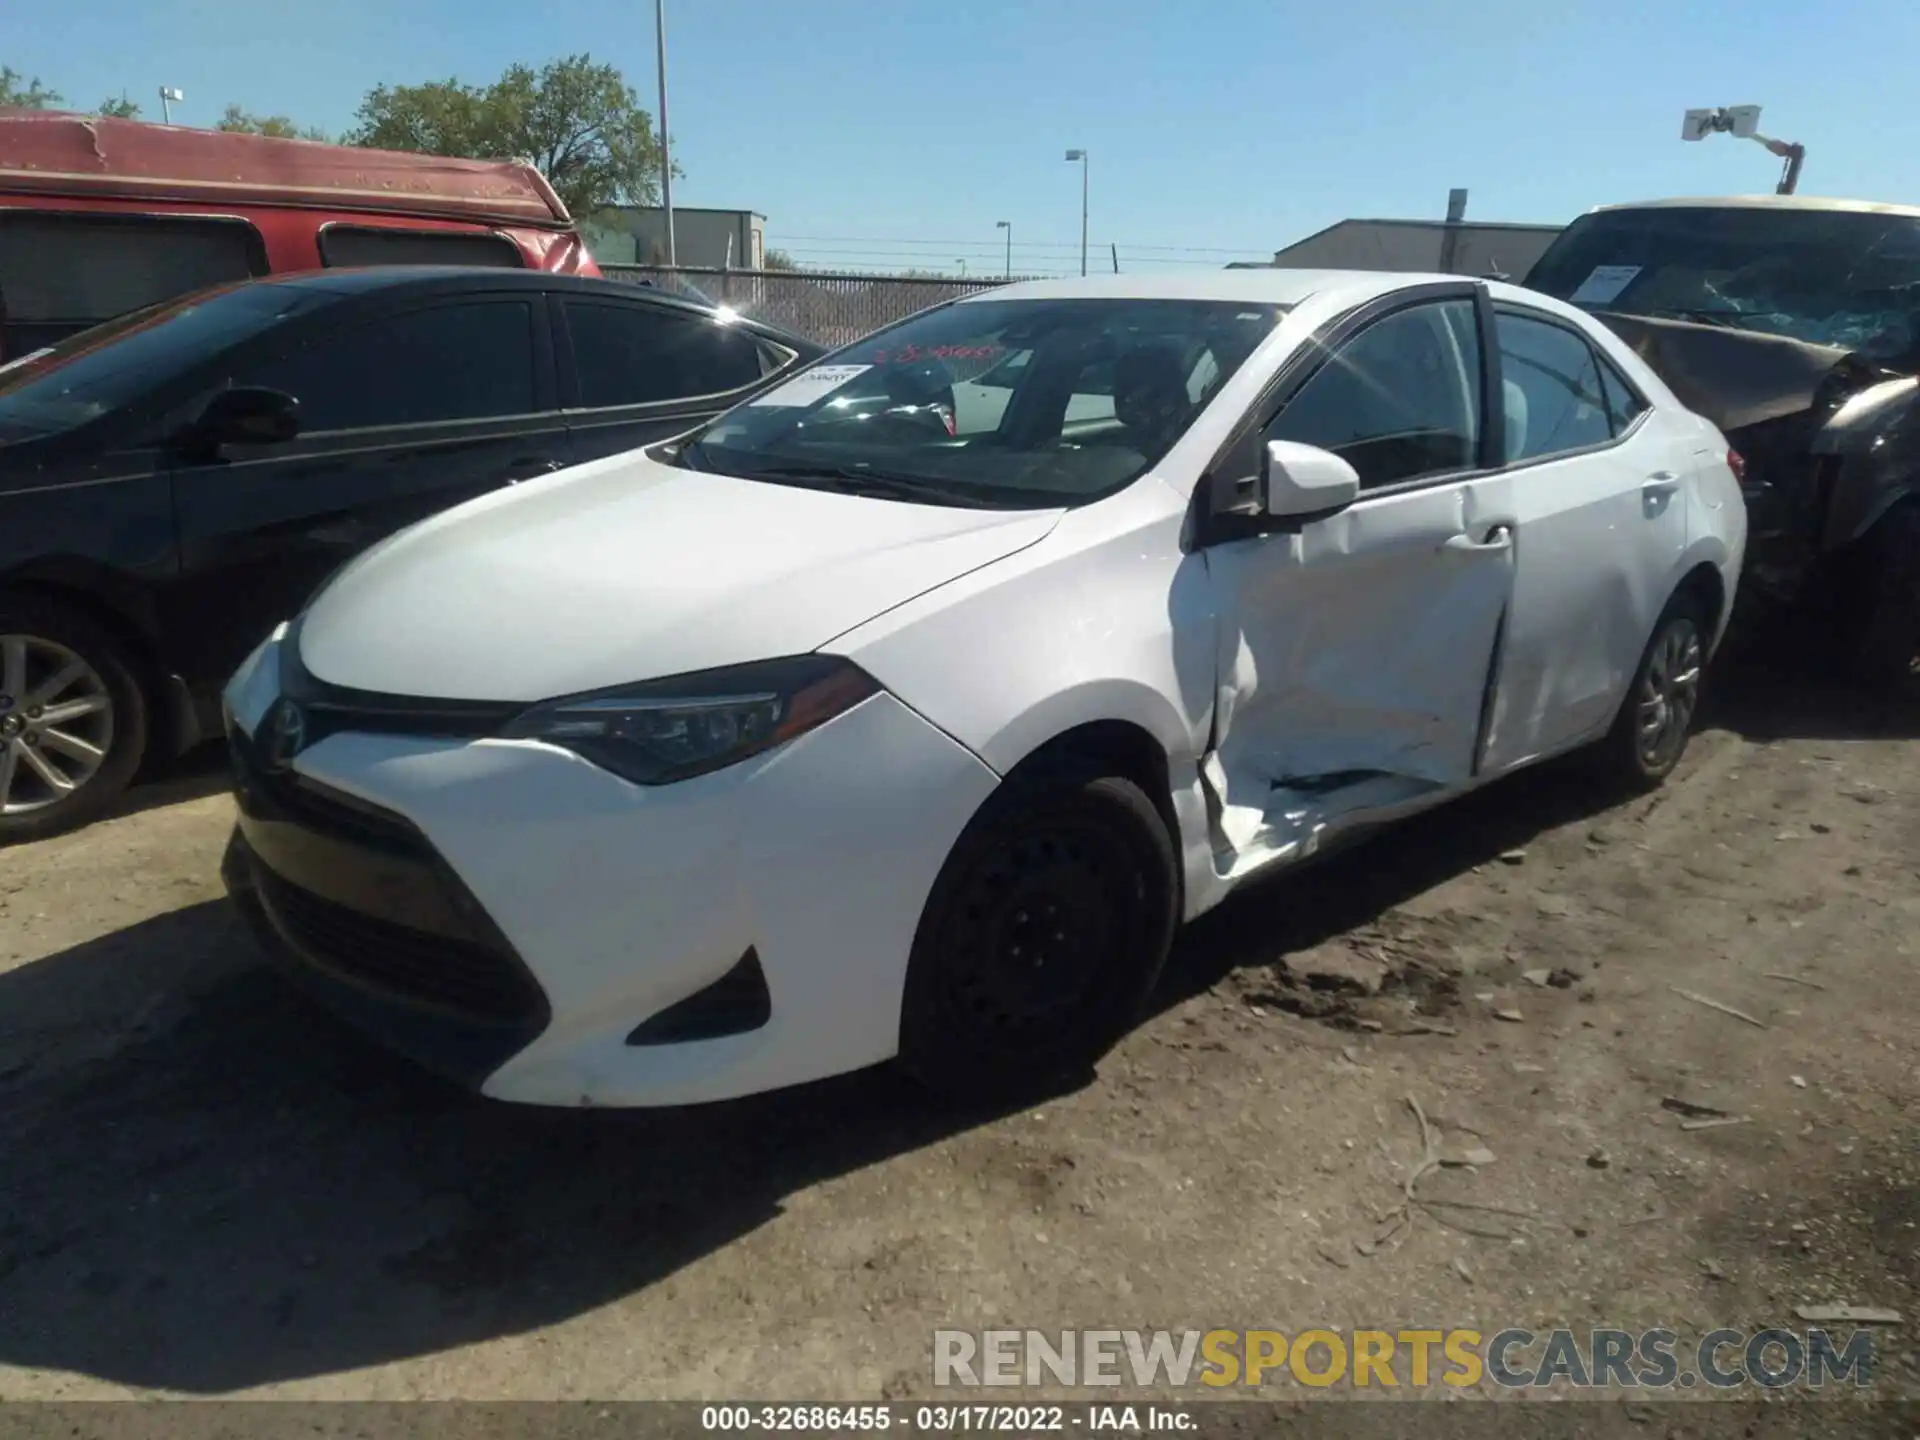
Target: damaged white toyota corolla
[[908, 708]]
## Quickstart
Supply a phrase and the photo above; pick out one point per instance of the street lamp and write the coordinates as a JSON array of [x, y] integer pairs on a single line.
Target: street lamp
[[666, 158], [1007, 225], [1743, 123], [168, 95], [1081, 156], [963, 268]]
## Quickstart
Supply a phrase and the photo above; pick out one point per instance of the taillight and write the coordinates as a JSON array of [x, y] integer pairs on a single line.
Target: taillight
[[1737, 463]]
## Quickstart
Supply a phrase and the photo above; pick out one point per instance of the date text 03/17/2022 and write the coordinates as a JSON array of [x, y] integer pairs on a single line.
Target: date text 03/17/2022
[[947, 1419]]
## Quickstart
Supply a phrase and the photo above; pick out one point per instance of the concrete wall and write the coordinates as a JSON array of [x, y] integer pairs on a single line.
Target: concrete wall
[[637, 235]]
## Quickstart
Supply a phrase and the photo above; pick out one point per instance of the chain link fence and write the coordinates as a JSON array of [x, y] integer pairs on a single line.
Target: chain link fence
[[831, 310]]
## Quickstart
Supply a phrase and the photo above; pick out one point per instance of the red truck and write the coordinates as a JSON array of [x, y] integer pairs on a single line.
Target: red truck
[[99, 217]]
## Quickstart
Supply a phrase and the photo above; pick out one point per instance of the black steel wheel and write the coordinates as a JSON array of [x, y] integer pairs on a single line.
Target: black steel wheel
[[1043, 936]]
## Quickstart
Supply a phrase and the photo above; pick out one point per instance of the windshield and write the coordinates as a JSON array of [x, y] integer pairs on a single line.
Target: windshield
[[1849, 279], [1006, 403], [115, 364]]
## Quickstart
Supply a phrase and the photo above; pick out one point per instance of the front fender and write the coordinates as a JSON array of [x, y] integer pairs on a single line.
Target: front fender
[[1868, 452]]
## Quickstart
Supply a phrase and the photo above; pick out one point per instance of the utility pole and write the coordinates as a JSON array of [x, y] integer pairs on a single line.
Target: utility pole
[[666, 151], [1007, 225], [1450, 237], [1081, 156]]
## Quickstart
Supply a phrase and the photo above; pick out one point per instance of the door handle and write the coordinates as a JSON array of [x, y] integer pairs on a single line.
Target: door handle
[[527, 467], [1661, 482], [1498, 537]]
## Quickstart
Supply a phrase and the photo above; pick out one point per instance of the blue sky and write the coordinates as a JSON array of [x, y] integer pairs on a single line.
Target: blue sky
[[870, 132]]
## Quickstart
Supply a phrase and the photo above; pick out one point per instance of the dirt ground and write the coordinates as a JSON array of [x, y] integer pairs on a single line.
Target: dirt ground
[[206, 1187]]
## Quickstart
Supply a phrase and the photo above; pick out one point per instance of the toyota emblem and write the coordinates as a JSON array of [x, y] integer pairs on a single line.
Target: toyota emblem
[[286, 733]]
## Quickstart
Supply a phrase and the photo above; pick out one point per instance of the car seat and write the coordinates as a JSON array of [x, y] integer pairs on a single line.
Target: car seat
[[1150, 397]]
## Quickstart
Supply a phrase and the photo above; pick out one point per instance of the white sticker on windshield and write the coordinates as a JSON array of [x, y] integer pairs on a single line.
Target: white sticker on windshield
[[1604, 284], [810, 385], [30, 356]]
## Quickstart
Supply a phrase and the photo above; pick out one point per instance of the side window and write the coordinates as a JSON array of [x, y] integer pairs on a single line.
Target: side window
[[62, 272], [637, 355], [980, 401], [453, 362], [366, 245], [1399, 400], [1206, 374], [1552, 383], [1624, 405], [1092, 396]]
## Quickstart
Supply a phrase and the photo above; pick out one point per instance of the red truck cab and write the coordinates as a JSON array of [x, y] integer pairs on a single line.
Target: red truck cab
[[99, 217]]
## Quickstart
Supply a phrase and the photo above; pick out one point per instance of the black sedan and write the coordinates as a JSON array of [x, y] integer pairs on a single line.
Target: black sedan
[[176, 482]]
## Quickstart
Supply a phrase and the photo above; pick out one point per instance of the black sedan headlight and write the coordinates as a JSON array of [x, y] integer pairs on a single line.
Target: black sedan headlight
[[661, 731]]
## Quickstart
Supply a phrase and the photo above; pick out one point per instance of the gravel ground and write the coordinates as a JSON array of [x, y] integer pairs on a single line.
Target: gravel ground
[[207, 1188]]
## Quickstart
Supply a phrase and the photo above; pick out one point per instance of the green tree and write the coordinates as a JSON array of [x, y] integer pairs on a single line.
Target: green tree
[[121, 109], [236, 121], [777, 260], [579, 122], [29, 94]]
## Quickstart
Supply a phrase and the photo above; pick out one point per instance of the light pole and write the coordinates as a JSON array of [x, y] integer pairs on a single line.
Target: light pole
[[1007, 225], [963, 268], [1081, 156], [666, 154], [169, 94]]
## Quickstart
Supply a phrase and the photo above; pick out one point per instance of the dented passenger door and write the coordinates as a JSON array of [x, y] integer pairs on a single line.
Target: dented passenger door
[[1356, 649]]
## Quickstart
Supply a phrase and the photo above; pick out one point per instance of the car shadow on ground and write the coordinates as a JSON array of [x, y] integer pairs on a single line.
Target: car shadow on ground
[[1778, 697], [241, 1192], [233, 1191], [200, 772], [1788, 695]]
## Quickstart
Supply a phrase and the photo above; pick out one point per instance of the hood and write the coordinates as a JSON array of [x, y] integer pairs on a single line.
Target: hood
[[626, 570], [1735, 378]]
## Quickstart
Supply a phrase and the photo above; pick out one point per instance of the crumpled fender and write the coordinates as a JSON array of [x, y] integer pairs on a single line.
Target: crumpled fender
[[1872, 443]]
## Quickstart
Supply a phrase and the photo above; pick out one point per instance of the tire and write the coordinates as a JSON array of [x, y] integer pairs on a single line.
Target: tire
[[1046, 931], [1665, 692], [44, 640], [1886, 651]]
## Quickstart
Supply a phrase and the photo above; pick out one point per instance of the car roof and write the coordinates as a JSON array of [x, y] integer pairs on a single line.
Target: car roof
[[1274, 286], [355, 280], [1340, 289], [1766, 202]]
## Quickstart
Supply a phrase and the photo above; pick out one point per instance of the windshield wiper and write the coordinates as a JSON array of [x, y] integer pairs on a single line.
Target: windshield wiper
[[850, 480]]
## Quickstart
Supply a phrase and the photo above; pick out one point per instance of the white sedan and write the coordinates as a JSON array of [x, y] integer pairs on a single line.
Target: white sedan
[[909, 708]]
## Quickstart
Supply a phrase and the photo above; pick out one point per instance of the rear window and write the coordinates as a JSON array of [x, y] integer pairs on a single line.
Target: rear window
[[342, 245], [61, 271]]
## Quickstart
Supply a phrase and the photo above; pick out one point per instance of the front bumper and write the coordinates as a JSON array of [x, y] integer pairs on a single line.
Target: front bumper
[[512, 915], [366, 918]]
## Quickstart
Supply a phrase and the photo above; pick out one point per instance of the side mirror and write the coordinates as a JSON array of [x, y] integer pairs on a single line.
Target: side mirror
[[1304, 482], [248, 415]]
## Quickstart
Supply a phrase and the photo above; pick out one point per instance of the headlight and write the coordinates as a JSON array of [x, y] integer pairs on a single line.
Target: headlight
[[667, 730]]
